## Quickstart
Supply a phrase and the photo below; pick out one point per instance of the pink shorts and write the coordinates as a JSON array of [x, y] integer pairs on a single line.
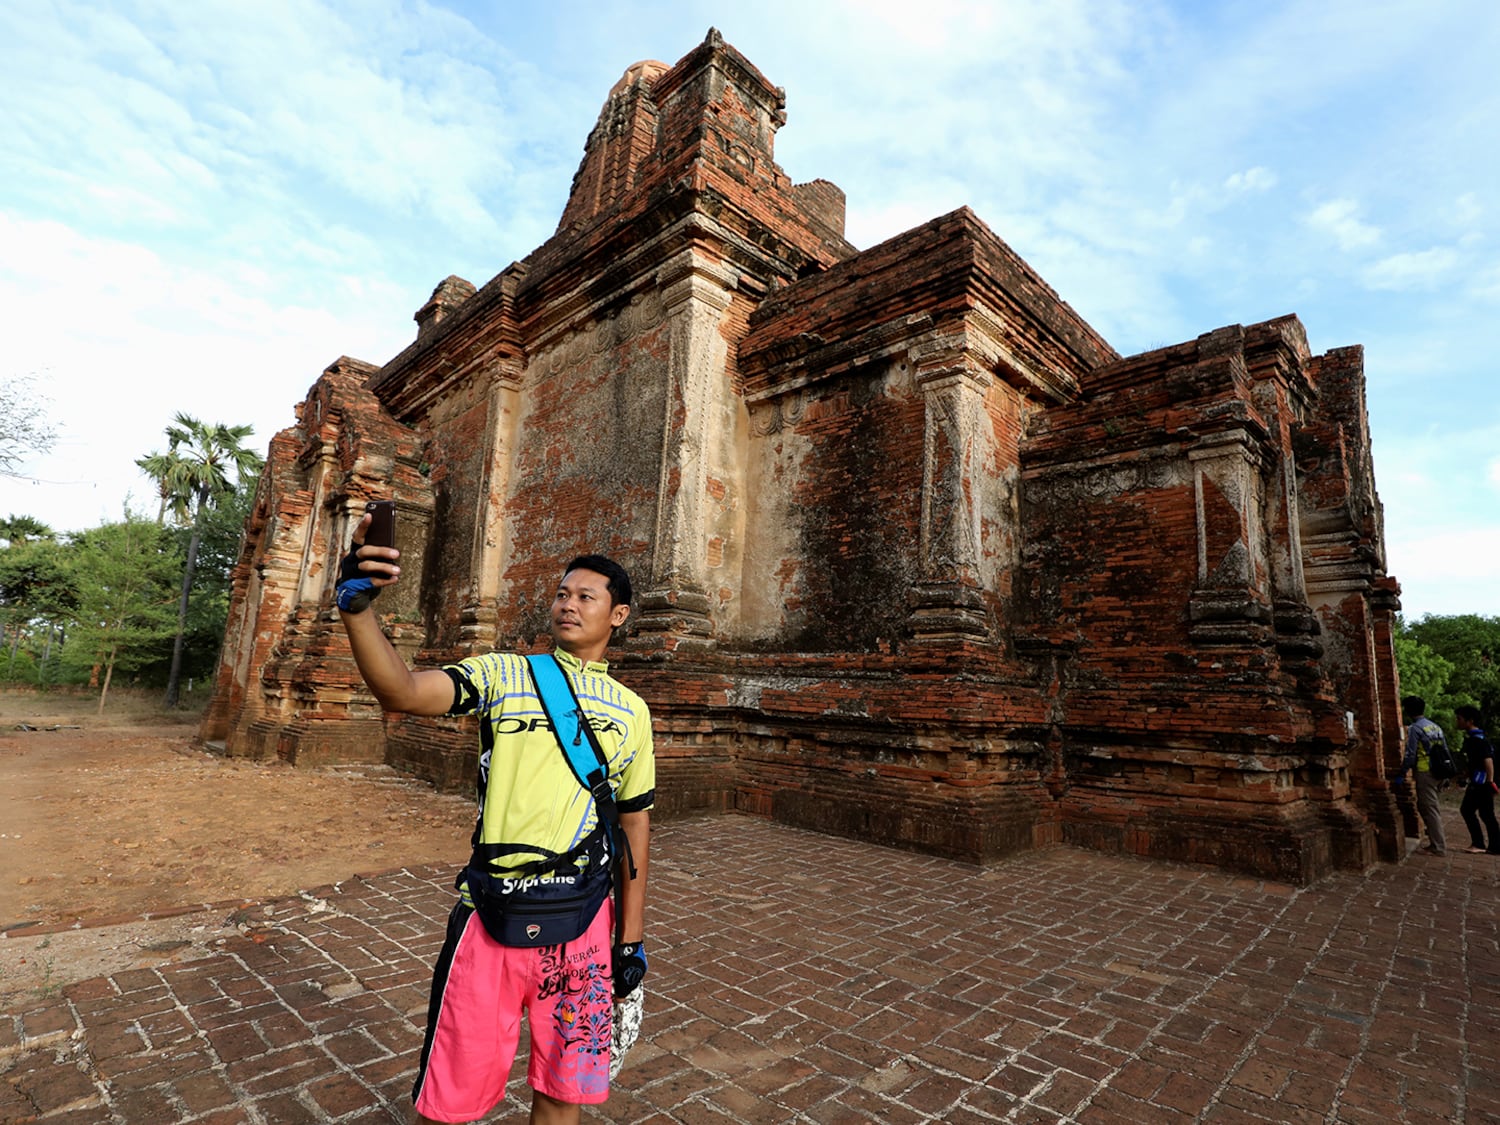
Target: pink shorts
[[479, 990]]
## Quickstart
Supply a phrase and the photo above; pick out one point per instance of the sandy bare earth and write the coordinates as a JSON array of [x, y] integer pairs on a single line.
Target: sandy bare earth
[[101, 822]]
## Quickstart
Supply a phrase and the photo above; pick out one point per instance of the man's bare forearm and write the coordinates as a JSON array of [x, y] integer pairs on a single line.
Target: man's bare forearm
[[637, 828], [389, 678]]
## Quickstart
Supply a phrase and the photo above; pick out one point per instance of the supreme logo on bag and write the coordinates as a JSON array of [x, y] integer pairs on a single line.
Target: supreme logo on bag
[[537, 911]]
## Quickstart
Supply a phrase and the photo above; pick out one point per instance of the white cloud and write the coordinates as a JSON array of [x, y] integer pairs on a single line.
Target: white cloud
[[243, 192], [1486, 285], [180, 114], [1441, 541], [124, 338], [1012, 99], [1255, 179], [1445, 571], [1422, 269], [1340, 219], [866, 226]]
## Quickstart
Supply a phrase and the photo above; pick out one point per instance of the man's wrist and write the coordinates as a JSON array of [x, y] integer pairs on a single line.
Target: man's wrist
[[354, 591]]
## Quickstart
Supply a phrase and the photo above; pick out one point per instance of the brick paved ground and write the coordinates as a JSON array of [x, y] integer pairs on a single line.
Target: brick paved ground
[[797, 978]]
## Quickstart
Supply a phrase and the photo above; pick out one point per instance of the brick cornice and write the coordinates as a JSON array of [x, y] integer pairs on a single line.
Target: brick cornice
[[951, 276]]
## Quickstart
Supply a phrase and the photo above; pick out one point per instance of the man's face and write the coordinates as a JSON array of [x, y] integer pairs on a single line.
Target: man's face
[[583, 614], [1461, 722]]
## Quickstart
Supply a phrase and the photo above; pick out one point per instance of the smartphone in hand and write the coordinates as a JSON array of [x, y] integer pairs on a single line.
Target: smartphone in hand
[[382, 529]]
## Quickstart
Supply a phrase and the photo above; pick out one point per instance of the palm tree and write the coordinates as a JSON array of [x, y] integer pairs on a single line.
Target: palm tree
[[169, 472], [193, 475]]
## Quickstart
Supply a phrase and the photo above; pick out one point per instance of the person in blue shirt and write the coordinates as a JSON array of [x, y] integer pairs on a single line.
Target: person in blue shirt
[[1479, 795]]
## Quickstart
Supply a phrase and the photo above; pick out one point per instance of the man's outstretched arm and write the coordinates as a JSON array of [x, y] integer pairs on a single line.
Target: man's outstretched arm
[[397, 686]]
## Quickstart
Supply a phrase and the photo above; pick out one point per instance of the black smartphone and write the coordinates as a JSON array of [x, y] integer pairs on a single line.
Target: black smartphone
[[382, 529]]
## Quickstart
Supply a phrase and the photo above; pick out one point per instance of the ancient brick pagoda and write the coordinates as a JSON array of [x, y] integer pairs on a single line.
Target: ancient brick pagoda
[[920, 557]]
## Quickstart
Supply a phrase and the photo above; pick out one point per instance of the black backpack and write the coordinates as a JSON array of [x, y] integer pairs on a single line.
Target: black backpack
[[1440, 763]]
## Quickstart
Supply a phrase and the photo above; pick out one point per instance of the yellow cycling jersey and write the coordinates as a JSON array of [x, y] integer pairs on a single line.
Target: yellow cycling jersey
[[533, 806]]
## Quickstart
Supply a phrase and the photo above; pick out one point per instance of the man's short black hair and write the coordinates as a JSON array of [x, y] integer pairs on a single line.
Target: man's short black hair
[[1413, 706], [1468, 711], [619, 581]]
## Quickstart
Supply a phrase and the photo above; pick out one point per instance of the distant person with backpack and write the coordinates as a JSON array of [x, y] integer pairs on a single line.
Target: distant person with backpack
[[567, 776], [1479, 794], [1426, 748]]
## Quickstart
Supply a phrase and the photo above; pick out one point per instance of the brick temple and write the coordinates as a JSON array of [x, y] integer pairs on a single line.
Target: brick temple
[[919, 557]]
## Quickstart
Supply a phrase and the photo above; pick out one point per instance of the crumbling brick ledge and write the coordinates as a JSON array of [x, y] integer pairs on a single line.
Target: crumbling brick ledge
[[28, 929]]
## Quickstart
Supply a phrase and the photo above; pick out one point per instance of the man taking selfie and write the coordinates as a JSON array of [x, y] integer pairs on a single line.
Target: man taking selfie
[[567, 776]]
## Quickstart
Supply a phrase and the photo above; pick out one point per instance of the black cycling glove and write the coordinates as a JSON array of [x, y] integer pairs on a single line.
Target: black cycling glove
[[355, 591], [629, 962]]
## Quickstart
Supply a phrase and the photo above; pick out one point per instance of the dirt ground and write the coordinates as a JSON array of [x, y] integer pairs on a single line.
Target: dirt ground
[[104, 818]]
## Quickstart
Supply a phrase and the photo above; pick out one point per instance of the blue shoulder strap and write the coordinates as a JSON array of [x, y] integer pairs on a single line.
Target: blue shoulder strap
[[575, 737], [589, 765]]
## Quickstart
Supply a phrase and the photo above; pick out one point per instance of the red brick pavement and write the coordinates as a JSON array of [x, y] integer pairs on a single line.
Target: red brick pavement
[[797, 978]]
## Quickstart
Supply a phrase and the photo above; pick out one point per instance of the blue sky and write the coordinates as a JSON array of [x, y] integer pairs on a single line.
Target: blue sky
[[202, 205]]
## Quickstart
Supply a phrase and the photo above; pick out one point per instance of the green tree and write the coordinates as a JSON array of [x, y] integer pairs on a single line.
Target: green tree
[[123, 575], [24, 427], [1423, 672], [1471, 643], [193, 476], [36, 596], [223, 529]]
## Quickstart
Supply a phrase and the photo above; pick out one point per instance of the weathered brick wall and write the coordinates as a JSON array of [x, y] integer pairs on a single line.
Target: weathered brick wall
[[918, 556], [1343, 546], [839, 503], [1198, 674], [587, 465], [287, 685]]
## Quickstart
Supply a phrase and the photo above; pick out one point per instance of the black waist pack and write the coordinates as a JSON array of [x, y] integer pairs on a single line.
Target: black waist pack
[[538, 909]]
